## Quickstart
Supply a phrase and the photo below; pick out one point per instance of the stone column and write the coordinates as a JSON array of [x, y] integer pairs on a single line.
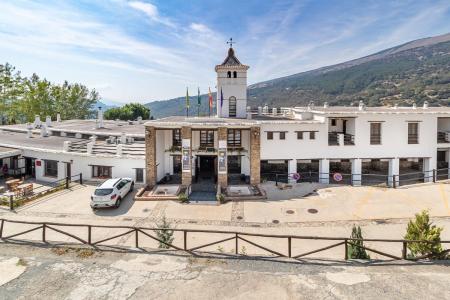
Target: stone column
[[292, 169], [356, 171], [429, 164], [447, 157], [222, 177], [255, 155], [186, 141], [150, 155], [324, 171], [394, 170]]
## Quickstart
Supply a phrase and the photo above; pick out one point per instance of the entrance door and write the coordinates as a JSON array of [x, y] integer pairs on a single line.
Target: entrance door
[[207, 168], [30, 167]]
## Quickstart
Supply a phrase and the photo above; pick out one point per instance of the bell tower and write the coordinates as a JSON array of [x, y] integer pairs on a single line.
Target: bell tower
[[231, 86]]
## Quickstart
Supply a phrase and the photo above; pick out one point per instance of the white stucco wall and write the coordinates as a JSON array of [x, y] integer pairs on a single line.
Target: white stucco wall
[[236, 87]]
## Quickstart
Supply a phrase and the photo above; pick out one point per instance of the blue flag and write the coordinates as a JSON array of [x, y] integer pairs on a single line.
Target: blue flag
[[221, 97]]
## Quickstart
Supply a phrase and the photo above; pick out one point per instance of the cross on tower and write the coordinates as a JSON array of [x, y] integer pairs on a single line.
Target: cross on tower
[[230, 42]]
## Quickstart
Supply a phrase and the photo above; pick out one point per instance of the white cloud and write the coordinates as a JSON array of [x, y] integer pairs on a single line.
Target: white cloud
[[202, 28], [151, 11]]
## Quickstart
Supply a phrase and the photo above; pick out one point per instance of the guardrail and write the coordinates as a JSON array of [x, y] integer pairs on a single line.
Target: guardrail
[[360, 179], [244, 238], [45, 189]]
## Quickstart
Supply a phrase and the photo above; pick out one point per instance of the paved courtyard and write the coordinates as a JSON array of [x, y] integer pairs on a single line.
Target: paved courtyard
[[303, 203], [307, 209]]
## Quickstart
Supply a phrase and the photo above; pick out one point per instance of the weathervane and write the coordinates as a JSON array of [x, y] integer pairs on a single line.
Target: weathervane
[[231, 42]]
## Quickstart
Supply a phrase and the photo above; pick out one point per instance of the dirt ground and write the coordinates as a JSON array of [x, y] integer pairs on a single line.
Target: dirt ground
[[40, 273]]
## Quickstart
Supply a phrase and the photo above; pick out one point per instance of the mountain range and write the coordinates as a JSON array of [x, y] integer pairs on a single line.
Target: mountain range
[[417, 71]]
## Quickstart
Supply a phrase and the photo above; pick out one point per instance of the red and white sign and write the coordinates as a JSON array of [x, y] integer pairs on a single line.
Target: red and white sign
[[337, 177], [38, 163]]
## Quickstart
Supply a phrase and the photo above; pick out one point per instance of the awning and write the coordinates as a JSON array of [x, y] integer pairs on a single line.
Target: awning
[[9, 152]]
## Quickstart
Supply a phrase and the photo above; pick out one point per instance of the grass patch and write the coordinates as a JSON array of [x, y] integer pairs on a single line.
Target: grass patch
[[85, 253], [22, 262]]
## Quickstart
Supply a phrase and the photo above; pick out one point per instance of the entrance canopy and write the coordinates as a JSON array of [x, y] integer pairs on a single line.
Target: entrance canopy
[[9, 152]]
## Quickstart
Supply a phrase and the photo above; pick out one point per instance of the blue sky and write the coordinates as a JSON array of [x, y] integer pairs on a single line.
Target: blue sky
[[151, 50]]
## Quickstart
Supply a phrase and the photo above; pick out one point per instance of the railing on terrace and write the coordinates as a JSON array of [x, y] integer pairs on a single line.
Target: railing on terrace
[[186, 237], [349, 139], [443, 137], [366, 179], [333, 139]]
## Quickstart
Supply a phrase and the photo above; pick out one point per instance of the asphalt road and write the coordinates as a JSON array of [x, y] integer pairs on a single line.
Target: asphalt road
[[40, 273]]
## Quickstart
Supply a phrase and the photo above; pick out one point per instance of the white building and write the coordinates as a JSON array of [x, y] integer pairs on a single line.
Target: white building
[[354, 145]]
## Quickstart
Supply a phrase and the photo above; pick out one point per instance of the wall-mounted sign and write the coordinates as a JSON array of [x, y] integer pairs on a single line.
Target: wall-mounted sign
[[186, 155], [38, 163], [222, 158]]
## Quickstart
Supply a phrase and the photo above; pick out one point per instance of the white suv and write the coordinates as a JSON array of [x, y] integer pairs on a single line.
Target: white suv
[[111, 192]]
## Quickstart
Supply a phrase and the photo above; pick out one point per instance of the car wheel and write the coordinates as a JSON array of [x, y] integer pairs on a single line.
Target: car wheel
[[132, 186], [118, 202]]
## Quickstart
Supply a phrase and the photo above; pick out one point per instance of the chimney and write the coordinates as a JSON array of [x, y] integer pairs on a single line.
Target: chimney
[[48, 121], [139, 119], [58, 117], [265, 109], [100, 118], [37, 121], [274, 111], [361, 106], [311, 105], [325, 105], [425, 105], [123, 138], [44, 130], [414, 105], [249, 115], [29, 132], [259, 110], [395, 105]]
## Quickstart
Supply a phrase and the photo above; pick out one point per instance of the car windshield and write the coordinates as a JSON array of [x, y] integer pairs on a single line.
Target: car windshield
[[103, 192]]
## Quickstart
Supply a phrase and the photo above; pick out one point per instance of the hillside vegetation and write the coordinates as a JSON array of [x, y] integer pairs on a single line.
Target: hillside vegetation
[[417, 71]]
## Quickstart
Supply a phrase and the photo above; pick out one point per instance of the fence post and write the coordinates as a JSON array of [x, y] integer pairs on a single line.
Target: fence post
[[236, 243], [81, 178], [185, 240], [136, 233], [67, 182], [289, 247], [310, 177], [434, 175], [404, 250], [11, 203], [43, 233], [346, 250], [1, 228], [89, 234], [276, 179], [394, 181]]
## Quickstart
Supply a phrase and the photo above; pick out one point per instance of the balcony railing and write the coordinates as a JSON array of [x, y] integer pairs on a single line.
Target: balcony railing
[[443, 137], [333, 139], [349, 139], [413, 138], [375, 139]]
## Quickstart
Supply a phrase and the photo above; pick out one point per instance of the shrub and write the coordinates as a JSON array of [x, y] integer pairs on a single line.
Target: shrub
[[164, 233], [422, 229], [183, 198], [220, 198], [355, 250]]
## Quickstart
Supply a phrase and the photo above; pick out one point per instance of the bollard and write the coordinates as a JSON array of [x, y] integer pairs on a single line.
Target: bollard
[[67, 182], [81, 178]]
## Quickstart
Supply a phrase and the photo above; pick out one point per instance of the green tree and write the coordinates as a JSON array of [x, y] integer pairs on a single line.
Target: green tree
[[130, 111], [423, 229], [164, 233], [354, 249]]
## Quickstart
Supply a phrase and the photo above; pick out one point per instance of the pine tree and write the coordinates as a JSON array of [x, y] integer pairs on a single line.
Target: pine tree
[[355, 250], [423, 229], [164, 233]]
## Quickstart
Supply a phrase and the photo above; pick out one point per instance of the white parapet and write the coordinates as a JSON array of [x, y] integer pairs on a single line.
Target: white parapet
[[78, 135], [66, 146], [89, 147], [119, 150]]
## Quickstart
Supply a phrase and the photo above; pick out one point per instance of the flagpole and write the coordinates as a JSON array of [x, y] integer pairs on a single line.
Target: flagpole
[[198, 102]]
